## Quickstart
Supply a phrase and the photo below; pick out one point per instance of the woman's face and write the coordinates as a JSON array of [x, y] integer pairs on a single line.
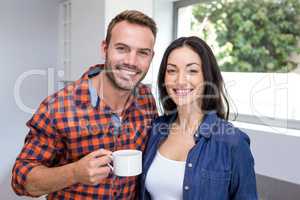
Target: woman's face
[[184, 79]]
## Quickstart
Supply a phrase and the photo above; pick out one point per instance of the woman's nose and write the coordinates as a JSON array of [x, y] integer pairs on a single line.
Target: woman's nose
[[181, 78]]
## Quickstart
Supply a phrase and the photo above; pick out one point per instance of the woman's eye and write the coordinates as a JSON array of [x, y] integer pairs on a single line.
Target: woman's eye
[[193, 71], [171, 70]]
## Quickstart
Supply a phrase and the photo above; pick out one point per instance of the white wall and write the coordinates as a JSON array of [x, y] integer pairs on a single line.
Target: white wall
[[276, 155], [28, 40], [87, 34], [114, 7]]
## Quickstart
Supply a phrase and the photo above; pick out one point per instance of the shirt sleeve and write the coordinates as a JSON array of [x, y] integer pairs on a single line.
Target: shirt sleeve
[[154, 108], [41, 148], [243, 185]]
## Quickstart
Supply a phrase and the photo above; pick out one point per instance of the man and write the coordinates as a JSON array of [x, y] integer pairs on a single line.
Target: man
[[74, 131]]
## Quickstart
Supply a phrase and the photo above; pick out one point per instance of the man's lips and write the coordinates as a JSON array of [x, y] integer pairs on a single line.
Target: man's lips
[[128, 70]]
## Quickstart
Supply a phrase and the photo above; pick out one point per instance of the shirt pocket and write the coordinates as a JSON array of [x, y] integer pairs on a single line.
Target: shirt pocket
[[140, 135], [214, 185], [85, 137], [216, 176]]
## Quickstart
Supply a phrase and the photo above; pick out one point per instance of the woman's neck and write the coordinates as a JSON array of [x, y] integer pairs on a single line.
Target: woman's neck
[[189, 117]]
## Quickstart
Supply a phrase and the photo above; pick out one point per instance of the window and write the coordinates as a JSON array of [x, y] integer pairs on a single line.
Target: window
[[257, 47]]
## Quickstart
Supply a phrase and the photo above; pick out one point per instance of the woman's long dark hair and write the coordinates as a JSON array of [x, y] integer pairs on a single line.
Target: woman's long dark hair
[[214, 98]]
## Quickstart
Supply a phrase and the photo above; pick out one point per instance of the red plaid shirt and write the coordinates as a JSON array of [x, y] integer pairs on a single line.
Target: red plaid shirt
[[67, 126]]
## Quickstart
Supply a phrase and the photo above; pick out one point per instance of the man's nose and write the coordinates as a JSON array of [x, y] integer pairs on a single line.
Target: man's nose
[[131, 58]]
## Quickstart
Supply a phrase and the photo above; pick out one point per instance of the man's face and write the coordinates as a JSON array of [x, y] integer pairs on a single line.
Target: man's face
[[128, 54]]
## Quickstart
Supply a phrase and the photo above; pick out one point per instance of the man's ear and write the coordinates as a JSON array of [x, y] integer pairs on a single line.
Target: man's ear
[[153, 53], [103, 49]]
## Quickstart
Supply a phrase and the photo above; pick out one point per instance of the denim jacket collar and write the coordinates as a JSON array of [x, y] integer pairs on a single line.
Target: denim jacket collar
[[207, 127]]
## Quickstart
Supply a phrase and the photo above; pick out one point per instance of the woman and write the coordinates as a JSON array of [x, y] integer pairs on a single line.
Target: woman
[[193, 151]]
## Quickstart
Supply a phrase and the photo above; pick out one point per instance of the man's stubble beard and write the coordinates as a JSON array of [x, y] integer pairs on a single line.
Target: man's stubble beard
[[114, 80]]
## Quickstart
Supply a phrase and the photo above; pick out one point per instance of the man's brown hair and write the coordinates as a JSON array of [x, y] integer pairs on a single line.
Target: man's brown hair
[[134, 17]]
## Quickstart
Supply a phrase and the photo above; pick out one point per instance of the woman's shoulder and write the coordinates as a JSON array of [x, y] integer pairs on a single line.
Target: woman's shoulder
[[161, 124], [163, 120], [230, 134]]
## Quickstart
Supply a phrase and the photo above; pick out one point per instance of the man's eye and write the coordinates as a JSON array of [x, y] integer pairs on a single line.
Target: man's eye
[[144, 53], [120, 48]]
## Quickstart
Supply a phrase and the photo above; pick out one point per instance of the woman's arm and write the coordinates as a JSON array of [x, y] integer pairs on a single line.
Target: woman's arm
[[243, 183]]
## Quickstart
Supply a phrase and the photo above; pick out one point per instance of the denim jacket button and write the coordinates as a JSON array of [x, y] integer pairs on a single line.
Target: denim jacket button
[[190, 165], [186, 187]]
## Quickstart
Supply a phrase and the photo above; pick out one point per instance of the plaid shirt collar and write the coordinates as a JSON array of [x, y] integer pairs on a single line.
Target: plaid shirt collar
[[86, 95]]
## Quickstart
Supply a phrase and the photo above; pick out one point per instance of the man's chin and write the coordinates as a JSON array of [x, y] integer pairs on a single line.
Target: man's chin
[[126, 86], [123, 83]]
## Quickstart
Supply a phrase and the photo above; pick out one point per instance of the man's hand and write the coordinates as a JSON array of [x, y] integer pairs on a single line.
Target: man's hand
[[92, 168]]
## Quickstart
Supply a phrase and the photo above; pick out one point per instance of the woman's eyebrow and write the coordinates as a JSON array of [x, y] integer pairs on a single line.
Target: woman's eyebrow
[[193, 63], [187, 65], [170, 64]]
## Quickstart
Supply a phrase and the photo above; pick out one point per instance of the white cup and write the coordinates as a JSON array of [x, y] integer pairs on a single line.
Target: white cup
[[127, 162]]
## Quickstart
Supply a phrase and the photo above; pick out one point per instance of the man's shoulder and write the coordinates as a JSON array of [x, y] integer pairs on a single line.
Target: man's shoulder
[[144, 95], [62, 97], [144, 89], [144, 100]]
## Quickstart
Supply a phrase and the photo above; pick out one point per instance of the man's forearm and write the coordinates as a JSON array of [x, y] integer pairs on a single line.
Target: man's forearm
[[43, 180]]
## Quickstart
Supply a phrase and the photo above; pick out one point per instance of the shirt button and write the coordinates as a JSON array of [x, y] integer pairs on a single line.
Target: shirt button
[[190, 165], [186, 187]]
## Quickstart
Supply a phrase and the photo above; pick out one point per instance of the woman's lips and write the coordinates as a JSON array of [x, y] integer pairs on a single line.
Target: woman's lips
[[182, 92]]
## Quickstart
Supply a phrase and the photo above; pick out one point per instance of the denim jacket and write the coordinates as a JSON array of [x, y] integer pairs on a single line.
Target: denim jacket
[[219, 167]]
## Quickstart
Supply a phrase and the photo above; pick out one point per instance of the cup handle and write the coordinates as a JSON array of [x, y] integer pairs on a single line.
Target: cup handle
[[110, 166]]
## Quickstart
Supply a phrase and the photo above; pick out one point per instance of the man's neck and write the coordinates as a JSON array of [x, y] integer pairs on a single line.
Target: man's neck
[[114, 97]]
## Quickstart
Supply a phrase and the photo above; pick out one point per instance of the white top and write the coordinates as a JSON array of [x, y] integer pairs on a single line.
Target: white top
[[165, 178]]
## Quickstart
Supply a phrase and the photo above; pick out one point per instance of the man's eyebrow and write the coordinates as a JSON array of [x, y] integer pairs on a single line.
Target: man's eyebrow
[[121, 44], [140, 49], [146, 49]]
